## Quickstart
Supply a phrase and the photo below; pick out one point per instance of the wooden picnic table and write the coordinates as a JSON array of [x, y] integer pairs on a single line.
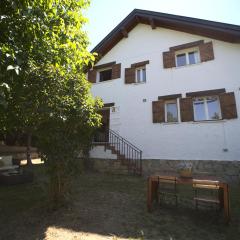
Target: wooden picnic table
[[223, 194]]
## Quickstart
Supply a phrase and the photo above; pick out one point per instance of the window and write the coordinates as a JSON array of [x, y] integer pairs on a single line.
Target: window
[[141, 75], [206, 108], [188, 53], [105, 75], [187, 57], [171, 111]]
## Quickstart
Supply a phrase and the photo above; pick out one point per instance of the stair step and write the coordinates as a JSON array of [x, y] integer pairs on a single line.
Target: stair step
[[116, 152], [121, 157], [110, 147], [122, 163]]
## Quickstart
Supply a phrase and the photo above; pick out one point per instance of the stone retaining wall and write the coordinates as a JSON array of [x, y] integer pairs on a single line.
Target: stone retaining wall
[[226, 170], [106, 166]]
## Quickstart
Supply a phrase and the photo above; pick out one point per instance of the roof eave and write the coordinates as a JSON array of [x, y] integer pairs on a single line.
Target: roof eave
[[216, 30]]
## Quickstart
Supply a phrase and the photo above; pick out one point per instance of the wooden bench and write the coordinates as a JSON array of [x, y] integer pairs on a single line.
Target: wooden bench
[[6, 164]]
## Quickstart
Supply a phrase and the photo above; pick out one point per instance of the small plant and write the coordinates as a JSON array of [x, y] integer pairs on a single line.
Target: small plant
[[185, 164], [185, 168]]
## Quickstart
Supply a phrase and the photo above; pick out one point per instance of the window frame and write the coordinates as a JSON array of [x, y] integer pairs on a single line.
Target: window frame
[[102, 70], [166, 102], [206, 109], [141, 74], [187, 52]]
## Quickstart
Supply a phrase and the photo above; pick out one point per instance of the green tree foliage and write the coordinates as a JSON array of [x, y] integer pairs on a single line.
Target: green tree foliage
[[43, 89]]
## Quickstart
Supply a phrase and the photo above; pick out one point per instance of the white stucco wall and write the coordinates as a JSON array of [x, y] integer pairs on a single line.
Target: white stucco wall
[[133, 118]]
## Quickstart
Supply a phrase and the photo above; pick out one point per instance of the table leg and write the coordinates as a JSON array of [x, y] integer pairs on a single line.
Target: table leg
[[149, 196], [152, 192], [226, 203], [221, 198]]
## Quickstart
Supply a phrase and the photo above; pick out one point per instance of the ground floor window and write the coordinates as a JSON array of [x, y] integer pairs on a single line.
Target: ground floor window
[[206, 108], [171, 111]]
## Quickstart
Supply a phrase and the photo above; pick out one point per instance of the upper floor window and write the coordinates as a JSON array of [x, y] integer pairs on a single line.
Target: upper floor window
[[171, 111], [140, 75], [187, 57], [104, 72], [188, 53], [206, 108], [105, 75], [136, 73]]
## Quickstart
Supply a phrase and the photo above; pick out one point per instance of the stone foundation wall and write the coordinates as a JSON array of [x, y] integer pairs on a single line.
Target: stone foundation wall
[[225, 170], [107, 166]]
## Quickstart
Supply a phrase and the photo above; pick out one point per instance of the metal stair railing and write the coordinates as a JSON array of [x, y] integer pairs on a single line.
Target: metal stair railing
[[130, 153]]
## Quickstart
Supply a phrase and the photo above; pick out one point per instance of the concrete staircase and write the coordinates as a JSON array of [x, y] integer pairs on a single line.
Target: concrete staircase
[[123, 154], [120, 157]]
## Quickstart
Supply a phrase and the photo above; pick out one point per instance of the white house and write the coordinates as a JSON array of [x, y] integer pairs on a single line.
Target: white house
[[171, 87]]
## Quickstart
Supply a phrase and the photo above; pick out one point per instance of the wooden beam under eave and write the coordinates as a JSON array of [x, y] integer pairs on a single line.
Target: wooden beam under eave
[[124, 32], [152, 23]]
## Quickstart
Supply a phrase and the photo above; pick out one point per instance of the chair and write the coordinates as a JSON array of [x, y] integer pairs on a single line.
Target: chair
[[167, 187], [206, 192]]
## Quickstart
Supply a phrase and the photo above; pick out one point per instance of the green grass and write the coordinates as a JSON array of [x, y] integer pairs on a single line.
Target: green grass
[[111, 205]]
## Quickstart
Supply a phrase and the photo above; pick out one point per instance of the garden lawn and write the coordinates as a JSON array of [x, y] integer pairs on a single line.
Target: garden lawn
[[109, 207]]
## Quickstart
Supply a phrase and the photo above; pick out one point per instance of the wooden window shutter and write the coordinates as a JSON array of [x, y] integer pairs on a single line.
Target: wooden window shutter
[[158, 111], [206, 51], [129, 75], [116, 71], [92, 76], [169, 59], [186, 108], [228, 105]]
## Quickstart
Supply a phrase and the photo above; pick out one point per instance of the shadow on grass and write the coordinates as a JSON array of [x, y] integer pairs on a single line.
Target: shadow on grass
[[108, 205]]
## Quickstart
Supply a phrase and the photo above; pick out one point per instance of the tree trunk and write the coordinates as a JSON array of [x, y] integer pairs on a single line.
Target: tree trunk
[[29, 140]]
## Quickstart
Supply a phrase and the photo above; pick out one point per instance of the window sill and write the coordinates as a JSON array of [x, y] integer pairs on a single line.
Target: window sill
[[105, 81], [170, 123], [209, 121], [138, 83], [188, 65], [195, 122]]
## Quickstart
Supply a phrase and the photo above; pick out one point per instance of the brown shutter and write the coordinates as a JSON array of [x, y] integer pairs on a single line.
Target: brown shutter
[[206, 51], [186, 108], [169, 59], [92, 75], [116, 71], [158, 111], [129, 75], [228, 105]]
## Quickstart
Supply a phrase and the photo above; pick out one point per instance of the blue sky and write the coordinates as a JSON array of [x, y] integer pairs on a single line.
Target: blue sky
[[104, 15]]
